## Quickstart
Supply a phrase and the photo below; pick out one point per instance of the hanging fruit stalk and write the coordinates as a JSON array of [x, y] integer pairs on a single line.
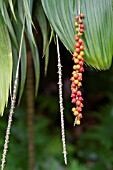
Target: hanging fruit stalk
[[76, 79]]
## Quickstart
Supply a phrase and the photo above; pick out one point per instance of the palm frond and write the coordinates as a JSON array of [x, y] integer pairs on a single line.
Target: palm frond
[[40, 15], [98, 33], [5, 64]]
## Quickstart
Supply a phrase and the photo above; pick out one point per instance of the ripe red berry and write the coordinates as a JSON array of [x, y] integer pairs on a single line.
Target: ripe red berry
[[74, 91], [81, 30], [79, 78], [78, 102], [76, 38], [78, 50], [80, 99], [79, 93], [79, 116], [77, 45], [82, 59], [73, 85], [73, 100], [81, 70], [82, 26], [81, 63], [80, 41], [73, 95], [79, 109]]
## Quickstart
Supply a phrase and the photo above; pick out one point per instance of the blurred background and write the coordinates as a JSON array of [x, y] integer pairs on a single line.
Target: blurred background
[[35, 140]]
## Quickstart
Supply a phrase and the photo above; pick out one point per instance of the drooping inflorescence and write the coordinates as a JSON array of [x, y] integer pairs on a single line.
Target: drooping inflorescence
[[76, 79]]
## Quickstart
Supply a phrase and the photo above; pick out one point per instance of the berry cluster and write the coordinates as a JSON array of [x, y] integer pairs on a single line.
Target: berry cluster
[[78, 69]]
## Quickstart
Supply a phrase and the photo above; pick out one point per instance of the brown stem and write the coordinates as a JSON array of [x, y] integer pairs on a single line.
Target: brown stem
[[30, 110]]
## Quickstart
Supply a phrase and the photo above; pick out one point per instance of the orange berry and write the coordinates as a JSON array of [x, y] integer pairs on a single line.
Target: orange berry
[[80, 34], [81, 105], [80, 21], [81, 15], [81, 47], [77, 17], [75, 75]]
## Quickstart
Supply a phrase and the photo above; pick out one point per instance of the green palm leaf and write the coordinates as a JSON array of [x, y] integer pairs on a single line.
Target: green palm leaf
[[40, 15], [18, 28], [5, 65], [98, 22]]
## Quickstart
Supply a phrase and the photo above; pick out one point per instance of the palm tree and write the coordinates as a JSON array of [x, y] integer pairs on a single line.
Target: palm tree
[[17, 30]]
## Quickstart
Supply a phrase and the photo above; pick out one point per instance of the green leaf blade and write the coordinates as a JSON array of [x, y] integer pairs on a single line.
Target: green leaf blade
[[6, 65]]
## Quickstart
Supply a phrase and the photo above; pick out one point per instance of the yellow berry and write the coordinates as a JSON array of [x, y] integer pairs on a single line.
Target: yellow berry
[[79, 56], [74, 67], [72, 79], [76, 113], [77, 66], [78, 122], [74, 72], [75, 54], [79, 84], [80, 74], [73, 109], [76, 82], [76, 24], [76, 61], [77, 30], [82, 53]]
